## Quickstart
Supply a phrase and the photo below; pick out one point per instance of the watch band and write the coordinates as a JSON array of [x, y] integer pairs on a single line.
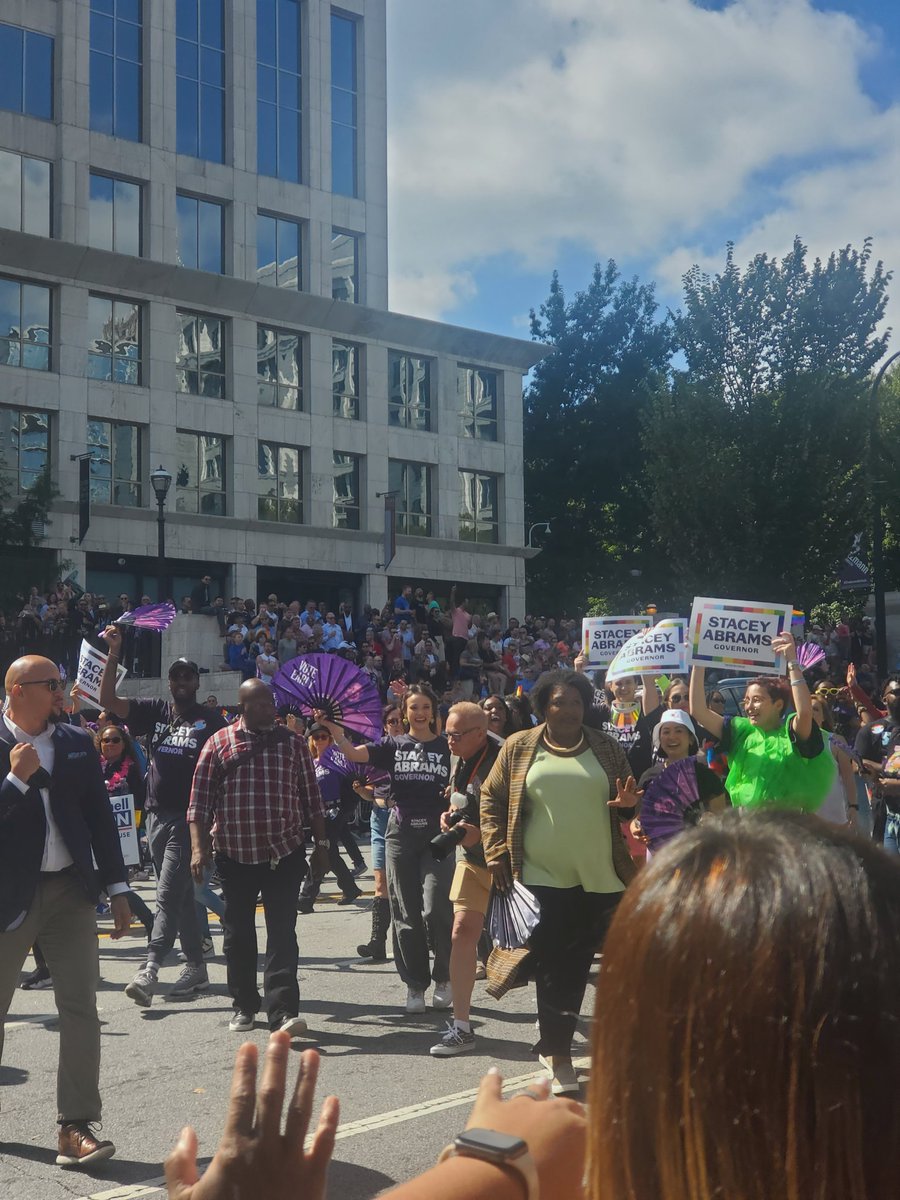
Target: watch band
[[325, 843], [522, 1165]]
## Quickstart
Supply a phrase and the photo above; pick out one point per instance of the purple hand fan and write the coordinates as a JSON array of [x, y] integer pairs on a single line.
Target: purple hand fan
[[150, 616], [341, 765], [342, 690], [671, 802], [809, 655]]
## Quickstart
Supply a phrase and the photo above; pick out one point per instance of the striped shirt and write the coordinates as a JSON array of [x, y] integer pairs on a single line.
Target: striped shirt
[[256, 791]]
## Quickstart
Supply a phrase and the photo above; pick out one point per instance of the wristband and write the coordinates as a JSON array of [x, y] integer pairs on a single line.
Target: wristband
[[793, 665]]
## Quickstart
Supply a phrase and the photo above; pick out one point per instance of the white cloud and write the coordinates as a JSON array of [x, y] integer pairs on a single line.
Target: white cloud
[[521, 127]]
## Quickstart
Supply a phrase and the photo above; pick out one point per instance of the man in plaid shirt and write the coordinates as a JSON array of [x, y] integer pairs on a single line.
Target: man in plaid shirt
[[254, 788]]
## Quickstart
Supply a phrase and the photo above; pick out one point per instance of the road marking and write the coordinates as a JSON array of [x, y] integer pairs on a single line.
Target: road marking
[[365, 1125]]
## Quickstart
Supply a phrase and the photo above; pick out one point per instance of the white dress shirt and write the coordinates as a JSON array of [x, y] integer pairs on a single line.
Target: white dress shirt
[[56, 855]]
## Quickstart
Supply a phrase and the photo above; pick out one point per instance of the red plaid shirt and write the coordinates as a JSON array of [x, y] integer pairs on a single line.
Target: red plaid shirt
[[257, 810]]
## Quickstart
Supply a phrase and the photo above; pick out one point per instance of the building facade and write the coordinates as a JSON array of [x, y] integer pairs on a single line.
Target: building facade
[[193, 275]]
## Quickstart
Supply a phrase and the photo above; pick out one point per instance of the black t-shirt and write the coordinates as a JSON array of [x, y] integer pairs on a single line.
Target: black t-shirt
[[420, 771], [880, 742], [468, 776], [173, 748]]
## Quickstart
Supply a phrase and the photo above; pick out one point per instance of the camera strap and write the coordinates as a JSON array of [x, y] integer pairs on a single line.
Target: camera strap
[[472, 773]]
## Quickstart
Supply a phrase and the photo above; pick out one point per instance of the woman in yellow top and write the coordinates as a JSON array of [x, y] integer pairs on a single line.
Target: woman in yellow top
[[548, 820]]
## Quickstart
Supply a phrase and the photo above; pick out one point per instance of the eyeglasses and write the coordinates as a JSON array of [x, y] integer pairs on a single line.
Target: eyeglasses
[[452, 737], [110, 741], [679, 699], [52, 685]]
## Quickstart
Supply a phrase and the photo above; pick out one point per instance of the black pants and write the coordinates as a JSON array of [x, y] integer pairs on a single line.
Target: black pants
[[454, 649], [572, 927], [337, 866], [242, 886]]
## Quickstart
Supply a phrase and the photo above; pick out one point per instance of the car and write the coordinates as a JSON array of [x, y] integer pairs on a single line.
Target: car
[[733, 690]]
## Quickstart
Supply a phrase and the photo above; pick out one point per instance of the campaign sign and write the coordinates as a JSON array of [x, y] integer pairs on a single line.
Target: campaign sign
[[91, 663], [661, 648], [123, 811], [737, 634], [603, 637]]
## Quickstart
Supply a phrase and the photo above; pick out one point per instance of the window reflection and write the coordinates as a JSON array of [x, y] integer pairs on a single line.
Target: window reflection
[[412, 484], [346, 491], [344, 101], [478, 515], [409, 396], [279, 367], [278, 88], [345, 377], [24, 447], [200, 474], [477, 392], [279, 483], [201, 234], [116, 475], [200, 79], [25, 330], [24, 193], [200, 358], [345, 267], [278, 251], [116, 67], [114, 340], [26, 77]]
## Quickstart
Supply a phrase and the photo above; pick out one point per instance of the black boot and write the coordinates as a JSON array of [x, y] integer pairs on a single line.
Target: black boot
[[381, 923]]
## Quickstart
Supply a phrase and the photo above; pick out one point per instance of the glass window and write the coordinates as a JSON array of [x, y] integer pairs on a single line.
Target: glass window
[[477, 394], [346, 491], [412, 484], [345, 267], [114, 340], [278, 104], [278, 251], [201, 234], [24, 193], [344, 101], [478, 515], [279, 367], [115, 214], [116, 67], [200, 359], [409, 394], [200, 475], [116, 474], [345, 379], [25, 330], [280, 483], [26, 79], [24, 447], [200, 78]]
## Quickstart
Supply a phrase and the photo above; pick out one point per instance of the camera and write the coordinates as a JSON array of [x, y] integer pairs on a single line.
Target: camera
[[463, 808]]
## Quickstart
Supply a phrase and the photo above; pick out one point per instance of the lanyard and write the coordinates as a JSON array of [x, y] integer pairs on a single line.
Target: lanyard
[[474, 770]]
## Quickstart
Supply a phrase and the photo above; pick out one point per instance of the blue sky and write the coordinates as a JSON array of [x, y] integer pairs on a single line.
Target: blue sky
[[528, 135]]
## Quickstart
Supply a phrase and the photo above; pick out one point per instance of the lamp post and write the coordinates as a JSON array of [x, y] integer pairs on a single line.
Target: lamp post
[[545, 525], [875, 465], [161, 481]]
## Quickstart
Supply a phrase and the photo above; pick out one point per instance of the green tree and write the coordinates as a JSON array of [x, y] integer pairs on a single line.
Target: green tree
[[22, 523], [885, 471], [583, 416], [755, 458]]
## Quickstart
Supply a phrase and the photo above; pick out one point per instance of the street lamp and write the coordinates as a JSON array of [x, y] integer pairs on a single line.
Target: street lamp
[[878, 527], [161, 481], [545, 525]]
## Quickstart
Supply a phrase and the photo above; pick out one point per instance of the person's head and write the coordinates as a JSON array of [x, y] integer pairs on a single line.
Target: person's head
[[466, 729], [677, 735], [257, 704], [393, 719], [184, 681], [623, 690], [676, 694], [407, 590], [763, 1059], [715, 701], [890, 695], [34, 691], [237, 638], [319, 739], [766, 701], [420, 709], [207, 579], [822, 713], [113, 742], [561, 698], [211, 701], [270, 647], [329, 617], [498, 715]]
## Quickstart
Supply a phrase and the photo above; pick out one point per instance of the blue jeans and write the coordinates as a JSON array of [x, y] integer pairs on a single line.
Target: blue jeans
[[892, 833], [207, 899], [378, 822]]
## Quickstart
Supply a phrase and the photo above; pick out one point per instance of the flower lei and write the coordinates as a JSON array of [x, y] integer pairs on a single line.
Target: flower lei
[[119, 778]]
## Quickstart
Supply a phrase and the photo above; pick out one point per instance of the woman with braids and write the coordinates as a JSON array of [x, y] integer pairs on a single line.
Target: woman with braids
[[776, 759]]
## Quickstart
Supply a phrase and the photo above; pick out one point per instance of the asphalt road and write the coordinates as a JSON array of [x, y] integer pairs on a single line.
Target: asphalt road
[[170, 1065]]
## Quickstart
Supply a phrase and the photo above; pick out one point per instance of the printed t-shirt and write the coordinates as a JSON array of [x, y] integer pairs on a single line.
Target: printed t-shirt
[[620, 722], [880, 742], [175, 744], [774, 768], [567, 832], [420, 771]]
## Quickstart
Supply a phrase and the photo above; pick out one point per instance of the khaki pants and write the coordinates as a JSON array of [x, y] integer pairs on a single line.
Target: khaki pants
[[63, 920]]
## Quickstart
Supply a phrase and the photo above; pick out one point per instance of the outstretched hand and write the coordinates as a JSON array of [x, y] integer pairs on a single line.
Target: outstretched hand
[[627, 794], [254, 1158]]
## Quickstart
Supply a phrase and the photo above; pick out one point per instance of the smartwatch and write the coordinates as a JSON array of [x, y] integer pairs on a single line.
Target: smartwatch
[[325, 843], [502, 1149]]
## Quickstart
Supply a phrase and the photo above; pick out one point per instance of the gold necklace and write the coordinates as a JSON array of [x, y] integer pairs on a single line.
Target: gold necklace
[[563, 749]]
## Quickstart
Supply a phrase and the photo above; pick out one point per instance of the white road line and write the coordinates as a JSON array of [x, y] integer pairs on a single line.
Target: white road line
[[365, 1125]]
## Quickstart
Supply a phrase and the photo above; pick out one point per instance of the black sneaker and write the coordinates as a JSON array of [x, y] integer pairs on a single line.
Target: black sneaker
[[454, 1041], [37, 980]]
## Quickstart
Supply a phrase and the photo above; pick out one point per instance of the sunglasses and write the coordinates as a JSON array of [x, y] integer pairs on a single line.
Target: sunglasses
[[52, 685], [320, 737], [828, 691], [679, 699], [110, 741]]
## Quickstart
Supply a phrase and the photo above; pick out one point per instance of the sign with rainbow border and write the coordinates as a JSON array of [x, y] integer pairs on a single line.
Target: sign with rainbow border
[[737, 634], [603, 637]]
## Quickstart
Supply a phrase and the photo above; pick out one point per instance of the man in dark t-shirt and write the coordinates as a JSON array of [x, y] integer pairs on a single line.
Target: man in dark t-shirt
[[878, 747], [177, 731]]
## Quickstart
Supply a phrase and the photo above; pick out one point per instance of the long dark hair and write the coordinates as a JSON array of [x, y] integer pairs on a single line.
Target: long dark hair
[[763, 1059], [422, 689]]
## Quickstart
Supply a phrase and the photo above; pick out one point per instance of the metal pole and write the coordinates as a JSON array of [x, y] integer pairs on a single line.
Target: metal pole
[[875, 472], [161, 550]]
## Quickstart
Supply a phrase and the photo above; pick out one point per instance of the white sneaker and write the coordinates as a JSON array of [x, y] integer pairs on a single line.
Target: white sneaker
[[293, 1025], [415, 1001], [443, 996], [563, 1080]]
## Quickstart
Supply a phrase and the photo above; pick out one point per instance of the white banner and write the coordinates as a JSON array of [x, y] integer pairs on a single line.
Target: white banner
[[738, 634], [603, 637], [661, 649], [91, 663], [123, 811]]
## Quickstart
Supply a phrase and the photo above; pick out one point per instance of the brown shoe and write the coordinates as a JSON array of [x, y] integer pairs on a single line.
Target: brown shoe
[[78, 1147]]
